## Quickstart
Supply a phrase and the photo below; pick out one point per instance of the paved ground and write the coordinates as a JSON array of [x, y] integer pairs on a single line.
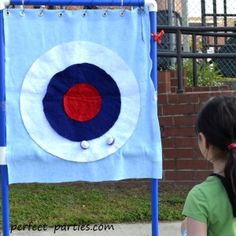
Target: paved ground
[[165, 229]]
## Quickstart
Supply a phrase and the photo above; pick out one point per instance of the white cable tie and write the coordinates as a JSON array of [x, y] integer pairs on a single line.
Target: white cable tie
[[3, 159], [4, 3], [151, 4]]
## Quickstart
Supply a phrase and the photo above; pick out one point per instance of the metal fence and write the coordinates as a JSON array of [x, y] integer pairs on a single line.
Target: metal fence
[[202, 29]]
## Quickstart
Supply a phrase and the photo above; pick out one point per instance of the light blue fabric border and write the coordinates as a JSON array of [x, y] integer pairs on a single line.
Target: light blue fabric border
[[27, 38]]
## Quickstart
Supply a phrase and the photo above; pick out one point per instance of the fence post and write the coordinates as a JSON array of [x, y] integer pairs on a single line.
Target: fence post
[[179, 62]]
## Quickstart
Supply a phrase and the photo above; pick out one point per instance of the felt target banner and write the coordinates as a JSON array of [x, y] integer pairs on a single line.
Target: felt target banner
[[80, 101]]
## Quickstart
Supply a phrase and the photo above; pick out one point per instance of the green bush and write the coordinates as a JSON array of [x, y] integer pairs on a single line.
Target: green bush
[[207, 74]]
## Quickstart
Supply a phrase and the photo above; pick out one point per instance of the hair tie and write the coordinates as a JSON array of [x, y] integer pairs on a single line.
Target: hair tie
[[231, 146]]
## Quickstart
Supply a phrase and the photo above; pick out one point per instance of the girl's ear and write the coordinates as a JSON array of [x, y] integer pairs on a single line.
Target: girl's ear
[[203, 140], [203, 144]]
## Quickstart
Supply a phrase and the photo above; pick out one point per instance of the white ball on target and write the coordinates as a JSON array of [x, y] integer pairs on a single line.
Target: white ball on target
[[110, 141], [84, 144]]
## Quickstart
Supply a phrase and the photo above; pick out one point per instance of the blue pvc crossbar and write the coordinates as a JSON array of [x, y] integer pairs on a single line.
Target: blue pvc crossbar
[[80, 2]]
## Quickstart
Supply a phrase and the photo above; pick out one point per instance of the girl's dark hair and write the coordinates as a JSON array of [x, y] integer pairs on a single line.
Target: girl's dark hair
[[217, 121]]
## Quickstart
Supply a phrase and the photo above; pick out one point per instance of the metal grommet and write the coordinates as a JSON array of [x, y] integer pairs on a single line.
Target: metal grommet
[[104, 14], [84, 14], [41, 13], [8, 13], [141, 11], [60, 14], [22, 13], [122, 13]]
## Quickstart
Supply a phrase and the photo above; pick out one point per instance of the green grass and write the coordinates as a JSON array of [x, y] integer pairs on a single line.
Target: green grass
[[85, 203]]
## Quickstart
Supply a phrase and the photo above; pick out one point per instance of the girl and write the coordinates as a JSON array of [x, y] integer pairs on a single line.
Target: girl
[[210, 207]]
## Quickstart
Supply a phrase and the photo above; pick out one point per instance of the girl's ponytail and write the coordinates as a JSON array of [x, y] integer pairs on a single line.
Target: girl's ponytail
[[230, 175], [230, 167]]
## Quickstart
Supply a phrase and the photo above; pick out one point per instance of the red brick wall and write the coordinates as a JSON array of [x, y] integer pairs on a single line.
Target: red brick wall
[[182, 160]]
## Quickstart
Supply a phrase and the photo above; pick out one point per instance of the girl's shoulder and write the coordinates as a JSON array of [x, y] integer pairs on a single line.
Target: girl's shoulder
[[208, 203], [203, 200], [209, 189], [211, 185]]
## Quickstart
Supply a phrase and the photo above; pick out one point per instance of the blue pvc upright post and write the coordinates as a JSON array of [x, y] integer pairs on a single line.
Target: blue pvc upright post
[[153, 53], [5, 201], [155, 207], [3, 166], [153, 21]]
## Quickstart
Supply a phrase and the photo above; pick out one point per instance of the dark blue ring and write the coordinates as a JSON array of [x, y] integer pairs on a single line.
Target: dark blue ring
[[61, 82]]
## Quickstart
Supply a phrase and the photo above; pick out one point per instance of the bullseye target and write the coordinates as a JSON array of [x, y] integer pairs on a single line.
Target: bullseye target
[[83, 97], [80, 101]]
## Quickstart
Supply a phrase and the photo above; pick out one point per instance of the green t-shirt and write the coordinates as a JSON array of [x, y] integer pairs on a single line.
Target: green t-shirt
[[208, 202]]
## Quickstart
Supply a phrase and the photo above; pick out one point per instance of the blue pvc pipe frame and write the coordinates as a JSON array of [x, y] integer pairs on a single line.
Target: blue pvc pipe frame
[[153, 54], [3, 168], [80, 2]]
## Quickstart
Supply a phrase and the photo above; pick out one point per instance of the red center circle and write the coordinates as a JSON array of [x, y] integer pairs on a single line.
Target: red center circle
[[82, 102]]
